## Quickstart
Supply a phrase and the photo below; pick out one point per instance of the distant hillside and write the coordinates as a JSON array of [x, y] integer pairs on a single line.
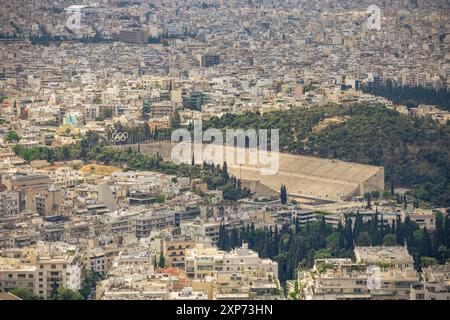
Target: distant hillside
[[414, 151]]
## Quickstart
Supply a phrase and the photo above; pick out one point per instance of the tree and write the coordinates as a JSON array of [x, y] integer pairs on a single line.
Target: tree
[[223, 241], [447, 231], [162, 260], [91, 279], [341, 237], [234, 238], [225, 174], [66, 294], [160, 198], [348, 234], [389, 240], [358, 225], [425, 244], [12, 136], [375, 194], [23, 294], [428, 261], [368, 197], [439, 235], [108, 114], [175, 120], [364, 239], [283, 194]]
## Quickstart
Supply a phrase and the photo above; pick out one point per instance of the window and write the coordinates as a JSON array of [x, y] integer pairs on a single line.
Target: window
[[53, 266]]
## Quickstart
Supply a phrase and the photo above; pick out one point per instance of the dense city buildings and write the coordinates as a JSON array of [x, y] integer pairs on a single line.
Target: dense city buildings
[[97, 97]]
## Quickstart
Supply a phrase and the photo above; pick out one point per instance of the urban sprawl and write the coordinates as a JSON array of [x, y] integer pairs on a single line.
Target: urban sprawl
[[92, 207]]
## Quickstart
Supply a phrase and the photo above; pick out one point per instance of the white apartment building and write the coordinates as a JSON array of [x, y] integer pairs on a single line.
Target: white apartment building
[[41, 269], [203, 260], [379, 273]]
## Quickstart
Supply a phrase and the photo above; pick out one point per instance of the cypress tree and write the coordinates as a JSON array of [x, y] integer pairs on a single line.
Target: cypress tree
[[348, 234], [341, 239], [234, 238], [358, 225], [447, 231], [439, 233], [425, 244]]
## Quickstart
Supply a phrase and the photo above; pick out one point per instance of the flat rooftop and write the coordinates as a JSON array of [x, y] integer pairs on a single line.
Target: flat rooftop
[[381, 254]]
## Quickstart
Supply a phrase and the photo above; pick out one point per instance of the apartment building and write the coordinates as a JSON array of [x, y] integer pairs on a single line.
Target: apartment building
[[9, 203], [199, 229], [133, 36], [15, 274], [27, 186], [175, 251], [248, 285], [435, 284], [379, 273], [56, 267], [42, 268], [203, 260], [210, 60], [47, 202], [145, 223], [334, 279]]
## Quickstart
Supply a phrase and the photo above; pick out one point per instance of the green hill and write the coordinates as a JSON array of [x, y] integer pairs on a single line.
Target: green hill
[[414, 151]]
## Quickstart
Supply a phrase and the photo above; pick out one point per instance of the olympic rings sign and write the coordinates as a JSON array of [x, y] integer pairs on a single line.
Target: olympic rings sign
[[120, 136]]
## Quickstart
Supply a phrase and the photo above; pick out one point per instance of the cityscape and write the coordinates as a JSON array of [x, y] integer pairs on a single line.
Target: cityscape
[[253, 150]]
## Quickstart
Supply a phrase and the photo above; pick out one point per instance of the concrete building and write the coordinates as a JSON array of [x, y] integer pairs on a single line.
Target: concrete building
[[27, 186], [146, 222], [175, 251], [202, 261], [379, 273], [42, 268], [9, 203], [435, 284]]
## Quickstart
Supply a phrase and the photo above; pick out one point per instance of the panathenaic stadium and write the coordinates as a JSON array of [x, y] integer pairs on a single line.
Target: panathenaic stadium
[[303, 176]]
